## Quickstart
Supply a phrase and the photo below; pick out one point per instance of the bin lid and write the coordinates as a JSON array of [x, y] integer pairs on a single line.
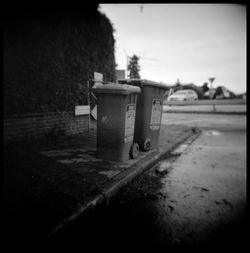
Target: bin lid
[[143, 82], [123, 89]]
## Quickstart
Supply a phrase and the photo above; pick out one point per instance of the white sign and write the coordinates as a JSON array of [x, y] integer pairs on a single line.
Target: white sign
[[98, 77], [155, 121], [82, 110], [94, 112], [129, 122]]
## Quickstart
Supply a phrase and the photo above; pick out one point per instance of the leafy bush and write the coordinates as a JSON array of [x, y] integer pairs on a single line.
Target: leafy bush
[[48, 59]]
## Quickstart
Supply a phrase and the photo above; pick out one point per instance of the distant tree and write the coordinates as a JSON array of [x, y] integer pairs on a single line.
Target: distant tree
[[134, 67], [232, 94], [205, 87], [222, 92], [178, 83]]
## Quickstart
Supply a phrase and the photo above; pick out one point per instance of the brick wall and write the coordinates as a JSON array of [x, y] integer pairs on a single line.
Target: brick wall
[[37, 125]]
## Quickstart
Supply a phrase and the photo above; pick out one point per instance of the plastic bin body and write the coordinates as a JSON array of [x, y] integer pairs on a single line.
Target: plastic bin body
[[116, 110], [149, 111]]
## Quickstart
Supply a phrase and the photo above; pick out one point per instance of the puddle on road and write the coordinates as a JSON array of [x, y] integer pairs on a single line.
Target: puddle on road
[[213, 133]]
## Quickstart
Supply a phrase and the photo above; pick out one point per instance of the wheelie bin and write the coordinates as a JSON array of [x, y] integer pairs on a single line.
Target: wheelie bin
[[116, 110], [149, 112]]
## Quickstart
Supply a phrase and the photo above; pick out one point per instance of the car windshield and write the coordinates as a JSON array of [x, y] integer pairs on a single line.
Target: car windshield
[[181, 92]]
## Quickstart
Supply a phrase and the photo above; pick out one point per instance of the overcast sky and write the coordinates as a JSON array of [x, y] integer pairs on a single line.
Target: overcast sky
[[192, 42]]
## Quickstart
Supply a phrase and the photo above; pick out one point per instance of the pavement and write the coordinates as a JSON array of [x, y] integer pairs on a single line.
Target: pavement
[[48, 185]]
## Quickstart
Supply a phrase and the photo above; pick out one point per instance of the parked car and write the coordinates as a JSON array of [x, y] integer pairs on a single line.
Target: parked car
[[183, 95]]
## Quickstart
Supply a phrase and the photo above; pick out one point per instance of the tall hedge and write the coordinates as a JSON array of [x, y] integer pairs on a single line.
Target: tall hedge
[[50, 56]]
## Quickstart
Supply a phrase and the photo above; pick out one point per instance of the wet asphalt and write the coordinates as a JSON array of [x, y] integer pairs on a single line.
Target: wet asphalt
[[196, 197]]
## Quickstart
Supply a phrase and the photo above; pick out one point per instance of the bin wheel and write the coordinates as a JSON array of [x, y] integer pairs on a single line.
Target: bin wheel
[[134, 150], [147, 145]]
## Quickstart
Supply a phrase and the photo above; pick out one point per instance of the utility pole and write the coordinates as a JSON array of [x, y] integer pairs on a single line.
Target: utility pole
[[127, 64]]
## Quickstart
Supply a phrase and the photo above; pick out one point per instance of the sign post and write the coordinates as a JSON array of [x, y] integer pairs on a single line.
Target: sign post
[[211, 81], [211, 87]]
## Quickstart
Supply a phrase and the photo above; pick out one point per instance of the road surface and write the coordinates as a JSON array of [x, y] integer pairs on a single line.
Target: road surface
[[206, 188]]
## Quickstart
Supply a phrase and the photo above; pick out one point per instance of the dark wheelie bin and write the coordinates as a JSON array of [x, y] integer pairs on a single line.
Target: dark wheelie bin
[[116, 110], [149, 112]]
